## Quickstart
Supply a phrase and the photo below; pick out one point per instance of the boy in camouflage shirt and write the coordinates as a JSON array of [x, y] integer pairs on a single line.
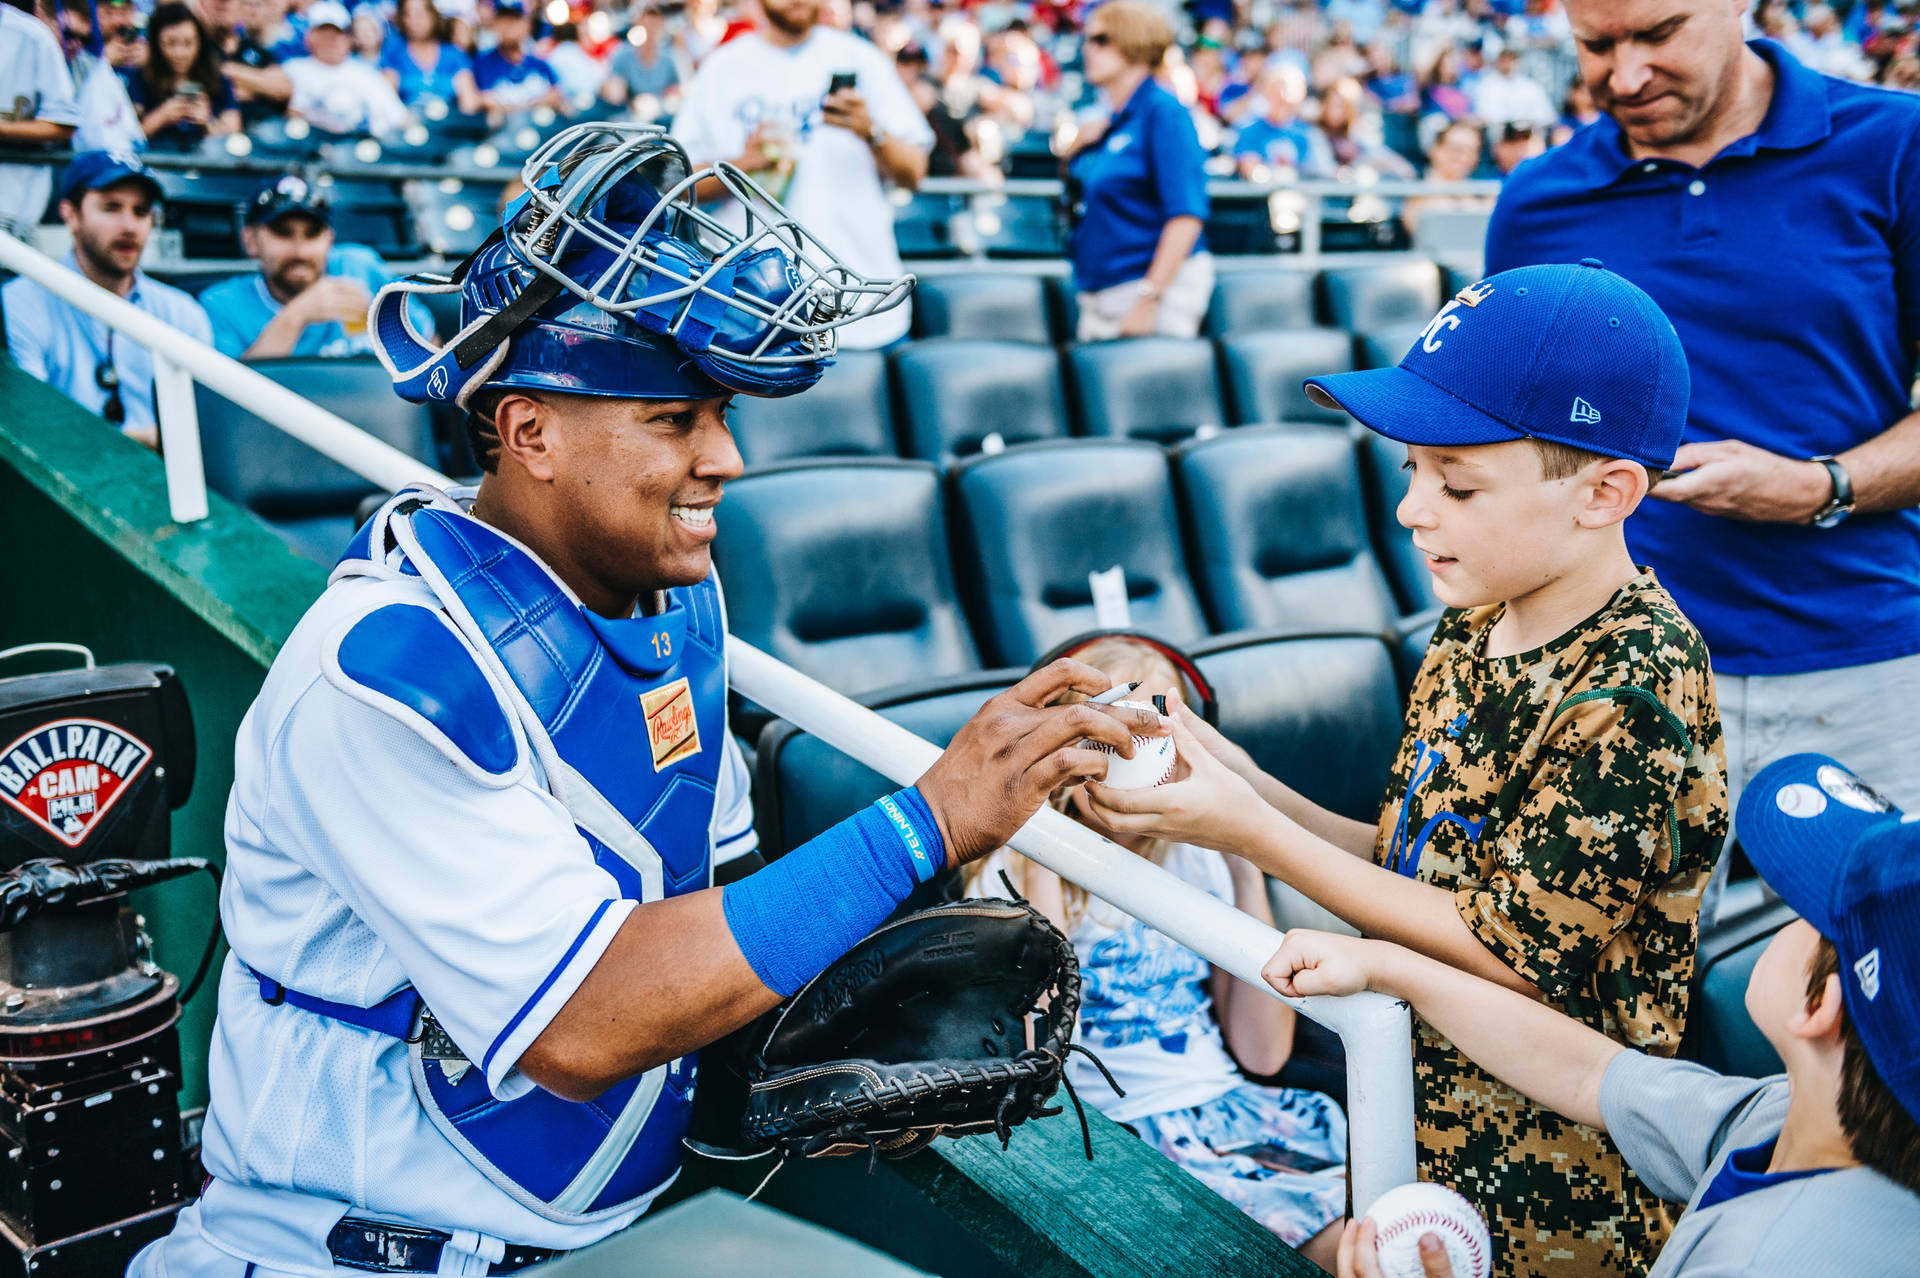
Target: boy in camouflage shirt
[[1560, 792]]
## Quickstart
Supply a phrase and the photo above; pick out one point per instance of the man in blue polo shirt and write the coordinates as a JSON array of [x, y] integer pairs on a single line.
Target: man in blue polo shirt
[[1774, 214], [107, 202], [510, 77]]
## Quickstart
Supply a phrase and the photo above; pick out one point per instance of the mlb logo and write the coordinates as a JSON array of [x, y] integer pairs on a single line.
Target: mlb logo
[[65, 775]]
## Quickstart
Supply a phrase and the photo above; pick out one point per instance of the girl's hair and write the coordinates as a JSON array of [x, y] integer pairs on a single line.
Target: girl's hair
[[1120, 658], [1140, 32], [442, 28], [158, 72]]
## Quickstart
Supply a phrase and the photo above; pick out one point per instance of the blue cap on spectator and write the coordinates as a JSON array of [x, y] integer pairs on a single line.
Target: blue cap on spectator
[[1849, 862], [98, 170], [1573, 354], [288, 195], [509, 8]]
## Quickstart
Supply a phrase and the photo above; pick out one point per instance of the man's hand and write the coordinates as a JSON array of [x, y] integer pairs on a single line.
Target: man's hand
[[759, 153], [1738, 481], [1212, 806], [1360, 1258], [1017, 749], [1309, 963], [335, 298], [1141, 319], [848, 110]]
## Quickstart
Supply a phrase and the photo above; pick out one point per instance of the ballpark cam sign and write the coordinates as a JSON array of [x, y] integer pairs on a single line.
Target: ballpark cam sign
[[66, 774]]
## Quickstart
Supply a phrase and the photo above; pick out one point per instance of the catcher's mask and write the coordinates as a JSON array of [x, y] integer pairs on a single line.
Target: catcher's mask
[[606, 278], [1199, 690]]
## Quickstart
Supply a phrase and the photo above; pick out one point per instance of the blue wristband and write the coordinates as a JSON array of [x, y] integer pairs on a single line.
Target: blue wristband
[[799, 914]]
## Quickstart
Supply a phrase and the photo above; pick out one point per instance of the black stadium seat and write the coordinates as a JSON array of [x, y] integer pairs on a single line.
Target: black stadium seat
[[208, 208], [1381, 468], [1260, 300], [1278, 530], [1383, 295], [841, 570], [1065, 305], [1321, 713], [1264, 372], [373, 213], [1158, 388], [1033, 522], [956, 393], [1385, 347], [1720, 1034], [847, 413], [1008, 308], [306, 498]]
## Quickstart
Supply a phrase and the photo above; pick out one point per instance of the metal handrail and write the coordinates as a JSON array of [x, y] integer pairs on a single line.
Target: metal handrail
[[1376, 1030]]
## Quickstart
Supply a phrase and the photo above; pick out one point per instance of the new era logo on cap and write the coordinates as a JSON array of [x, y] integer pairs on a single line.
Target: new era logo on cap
[[1583, 411], [1868, 970]]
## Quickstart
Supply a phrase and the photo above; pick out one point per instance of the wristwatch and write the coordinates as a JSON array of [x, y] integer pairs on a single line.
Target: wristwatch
[[1148, 290], [1841, 505]]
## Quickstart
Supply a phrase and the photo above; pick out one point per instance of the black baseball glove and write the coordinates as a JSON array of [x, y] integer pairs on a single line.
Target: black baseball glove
[[921, 1030]]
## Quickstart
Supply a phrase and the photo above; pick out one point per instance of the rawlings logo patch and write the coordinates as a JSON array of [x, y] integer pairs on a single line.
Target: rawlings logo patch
[[66, 774], [671, 729]]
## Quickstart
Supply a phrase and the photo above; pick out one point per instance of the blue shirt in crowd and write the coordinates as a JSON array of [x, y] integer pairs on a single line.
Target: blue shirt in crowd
[[241, 307], [417, 83], [67, 348], [1149, 168], [1790, 266], [513, 84], [1290, 143]]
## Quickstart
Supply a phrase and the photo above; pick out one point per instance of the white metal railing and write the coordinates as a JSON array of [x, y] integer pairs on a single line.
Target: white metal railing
[[1376, 1030]]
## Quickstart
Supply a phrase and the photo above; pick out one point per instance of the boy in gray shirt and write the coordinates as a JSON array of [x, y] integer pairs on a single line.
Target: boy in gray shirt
[[1815, 1171]]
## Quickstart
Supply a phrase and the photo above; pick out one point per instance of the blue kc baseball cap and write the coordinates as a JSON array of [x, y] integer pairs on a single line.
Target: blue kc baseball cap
[[98, 170], [1849, 862], [1570, 353]]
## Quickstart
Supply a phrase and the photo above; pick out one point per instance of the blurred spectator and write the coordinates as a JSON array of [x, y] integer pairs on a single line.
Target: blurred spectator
[[180, 94], [1453, 157], [1139, 262], [762, 101], [334, 91], [698, 31], [1514, 144], [1353, 136], [309, 297], [107, 202], [1397, 92], [1577, 111], [580, 74], [1280, 143], [424, 64], [511, 78], [259, 85], [1507, 94], [1825, 47], [1339, 58], [39, 108], [123, 32], [368, 33], [642, 68], [1441, 93]]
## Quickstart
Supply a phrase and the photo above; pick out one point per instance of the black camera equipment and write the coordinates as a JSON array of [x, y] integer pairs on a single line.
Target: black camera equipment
[[92, 762]]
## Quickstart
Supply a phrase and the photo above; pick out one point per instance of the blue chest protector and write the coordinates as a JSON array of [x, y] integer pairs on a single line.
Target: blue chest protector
[[626, 720]]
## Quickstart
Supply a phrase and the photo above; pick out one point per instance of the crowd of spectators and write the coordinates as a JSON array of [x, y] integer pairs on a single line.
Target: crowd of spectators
[[1277, 88]]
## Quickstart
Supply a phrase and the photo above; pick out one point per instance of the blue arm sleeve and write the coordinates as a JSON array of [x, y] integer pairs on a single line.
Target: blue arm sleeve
[[799, 914]]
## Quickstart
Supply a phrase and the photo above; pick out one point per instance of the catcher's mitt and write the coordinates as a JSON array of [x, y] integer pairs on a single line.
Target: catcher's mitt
[[920, 1031]]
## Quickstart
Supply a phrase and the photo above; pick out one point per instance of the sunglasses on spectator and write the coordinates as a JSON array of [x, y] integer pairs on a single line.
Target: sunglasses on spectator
[[125, 33], [107, 378], [1099, 39]]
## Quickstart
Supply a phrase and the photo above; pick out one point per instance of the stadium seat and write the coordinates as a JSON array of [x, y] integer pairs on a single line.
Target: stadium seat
[[308, 499], [923, 225], [1321, 713], [1033, 522], [1381, 462], [846, 413], [1382, 295], [1385, 347], [373, 213], [1278, 530], [453, 216], [841, 570], [1159, 388], [289, 138], [1013, 226], [1008, 308], [956, 393], [1264, 373], [1064, 303], [208, 208], [1720, 1034], [1240, 225], [1259, 301]]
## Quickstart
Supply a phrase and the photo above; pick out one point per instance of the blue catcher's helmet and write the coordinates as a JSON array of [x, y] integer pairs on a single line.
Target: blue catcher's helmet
[[606, 278]]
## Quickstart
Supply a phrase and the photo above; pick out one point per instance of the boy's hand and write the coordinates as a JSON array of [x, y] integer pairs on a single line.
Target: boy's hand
[[1212, 806], [1359, 1257], [1217, 745], [1309, 962]]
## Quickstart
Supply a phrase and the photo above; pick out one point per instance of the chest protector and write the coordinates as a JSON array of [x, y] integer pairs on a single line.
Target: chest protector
[[625, 720]]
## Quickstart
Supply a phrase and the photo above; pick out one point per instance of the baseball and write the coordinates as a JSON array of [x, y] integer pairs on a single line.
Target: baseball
[[1402, 1215], [1151, 764]]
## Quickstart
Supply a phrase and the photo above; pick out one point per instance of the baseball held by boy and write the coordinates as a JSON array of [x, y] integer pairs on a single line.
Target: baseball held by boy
[[1813, 1172], [1559, 795]]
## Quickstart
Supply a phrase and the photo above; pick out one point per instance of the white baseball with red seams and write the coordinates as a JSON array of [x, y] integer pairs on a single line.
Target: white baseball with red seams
[[1400, 1216], [1151, 764]]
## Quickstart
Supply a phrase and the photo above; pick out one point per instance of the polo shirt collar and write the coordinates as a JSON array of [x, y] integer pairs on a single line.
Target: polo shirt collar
[[1798, 116], [1134, 104], [72, 263]]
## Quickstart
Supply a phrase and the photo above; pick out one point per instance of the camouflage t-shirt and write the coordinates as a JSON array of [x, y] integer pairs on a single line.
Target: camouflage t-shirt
[[1573, 800]]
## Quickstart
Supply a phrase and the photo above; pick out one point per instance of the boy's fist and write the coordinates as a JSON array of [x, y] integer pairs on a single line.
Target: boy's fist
[[1309, 962]]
